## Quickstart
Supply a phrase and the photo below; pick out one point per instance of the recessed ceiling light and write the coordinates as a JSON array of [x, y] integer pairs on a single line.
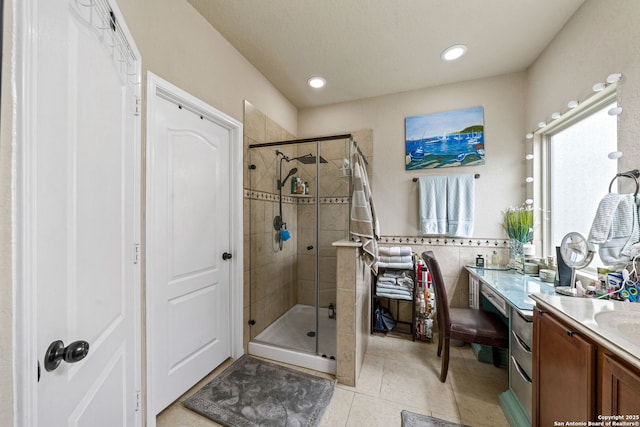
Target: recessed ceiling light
[[454, 52], [316, 82]]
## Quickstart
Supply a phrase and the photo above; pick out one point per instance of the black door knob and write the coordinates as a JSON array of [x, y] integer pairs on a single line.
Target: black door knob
[[310, 247], [57, 352], [226, 256]]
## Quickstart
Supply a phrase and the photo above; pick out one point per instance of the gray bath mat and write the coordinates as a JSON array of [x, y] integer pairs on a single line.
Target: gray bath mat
[[410, 419], [252, 392]]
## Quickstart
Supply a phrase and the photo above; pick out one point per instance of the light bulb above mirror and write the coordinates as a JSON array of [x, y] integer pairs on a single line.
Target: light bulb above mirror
[[615, 155], [612, 78], [615, 111]]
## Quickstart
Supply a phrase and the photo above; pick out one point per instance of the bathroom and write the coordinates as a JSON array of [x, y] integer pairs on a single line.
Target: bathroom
[[600, 39]]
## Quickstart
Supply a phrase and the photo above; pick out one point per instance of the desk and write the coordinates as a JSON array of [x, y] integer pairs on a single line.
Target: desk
[[513, 287], [509, 292]]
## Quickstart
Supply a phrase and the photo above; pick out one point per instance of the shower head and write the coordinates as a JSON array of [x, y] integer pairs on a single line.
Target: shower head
[[284, 156], [309, 159], [291, 172]]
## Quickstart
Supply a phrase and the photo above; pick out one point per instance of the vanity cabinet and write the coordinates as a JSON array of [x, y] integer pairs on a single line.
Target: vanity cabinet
[[564, 380], [620, 388]]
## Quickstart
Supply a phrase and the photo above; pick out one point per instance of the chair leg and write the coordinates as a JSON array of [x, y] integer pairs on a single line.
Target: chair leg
[[495, 352], [445, 361], [440, 334]]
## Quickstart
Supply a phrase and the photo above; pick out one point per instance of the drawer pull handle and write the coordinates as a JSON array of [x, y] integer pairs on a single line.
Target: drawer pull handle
[[520, 342], [520, 371]]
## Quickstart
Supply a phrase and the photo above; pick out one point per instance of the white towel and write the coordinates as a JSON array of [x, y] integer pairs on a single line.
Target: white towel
[[615, 228], [390, 259], [396, 265], [460, 201], [433, 204], [362, 223], [394, 274], [447, 205], [395, 296], [394, 250]]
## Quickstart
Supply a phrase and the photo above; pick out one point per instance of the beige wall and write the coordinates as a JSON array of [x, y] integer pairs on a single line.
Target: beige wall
[[501, 183], [270, 282], [603, 37], [177, 44]]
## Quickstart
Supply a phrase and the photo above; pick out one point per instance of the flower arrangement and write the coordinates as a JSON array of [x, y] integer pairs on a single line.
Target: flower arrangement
[[518, 223]]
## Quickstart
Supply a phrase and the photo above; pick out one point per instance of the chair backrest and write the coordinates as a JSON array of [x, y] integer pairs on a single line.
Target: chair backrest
[[442, 302]]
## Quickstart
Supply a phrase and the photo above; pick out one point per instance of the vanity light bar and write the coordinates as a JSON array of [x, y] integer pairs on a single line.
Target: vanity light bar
[[598, 87]]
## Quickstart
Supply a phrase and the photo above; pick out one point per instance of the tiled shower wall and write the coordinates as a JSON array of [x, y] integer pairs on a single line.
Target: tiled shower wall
[[276, 280], [270, 282]]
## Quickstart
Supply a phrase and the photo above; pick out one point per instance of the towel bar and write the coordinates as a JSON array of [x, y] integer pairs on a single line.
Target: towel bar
[[633, 174], [476, 176]]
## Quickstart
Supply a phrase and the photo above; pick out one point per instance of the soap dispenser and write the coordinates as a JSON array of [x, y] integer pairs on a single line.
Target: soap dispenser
[[495, 259]]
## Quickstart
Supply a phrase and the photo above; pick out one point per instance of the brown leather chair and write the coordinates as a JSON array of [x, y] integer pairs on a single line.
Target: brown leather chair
[[463, 324]]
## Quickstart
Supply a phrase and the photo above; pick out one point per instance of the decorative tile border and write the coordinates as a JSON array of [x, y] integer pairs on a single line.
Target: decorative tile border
[[445, 241], [325, 200], [262, 195]]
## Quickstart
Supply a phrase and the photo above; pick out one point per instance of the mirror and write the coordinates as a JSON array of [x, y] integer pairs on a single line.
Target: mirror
[[576, 253]]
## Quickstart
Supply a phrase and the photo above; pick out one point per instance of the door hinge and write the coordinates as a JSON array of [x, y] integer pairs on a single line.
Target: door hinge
[[138, 107], [136, 253], [138, 401]]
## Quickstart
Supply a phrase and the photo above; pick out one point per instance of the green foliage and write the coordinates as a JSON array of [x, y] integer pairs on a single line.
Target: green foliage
[[470, 129], [518, 223]]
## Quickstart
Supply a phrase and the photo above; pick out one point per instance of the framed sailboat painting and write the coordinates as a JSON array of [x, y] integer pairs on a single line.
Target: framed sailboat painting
[[447, 139]]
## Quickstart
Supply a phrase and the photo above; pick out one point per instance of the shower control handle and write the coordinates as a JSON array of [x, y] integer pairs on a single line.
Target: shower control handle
[[310, 247], [226, 256]]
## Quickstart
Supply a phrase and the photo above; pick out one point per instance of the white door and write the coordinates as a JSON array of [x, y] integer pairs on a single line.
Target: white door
[[188, 235], [83, 213]]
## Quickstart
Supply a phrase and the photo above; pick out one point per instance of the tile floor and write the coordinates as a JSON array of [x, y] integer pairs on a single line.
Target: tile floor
[[397, 374]]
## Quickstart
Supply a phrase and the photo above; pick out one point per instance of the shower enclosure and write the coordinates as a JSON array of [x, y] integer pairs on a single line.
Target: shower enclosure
[[299, 202]]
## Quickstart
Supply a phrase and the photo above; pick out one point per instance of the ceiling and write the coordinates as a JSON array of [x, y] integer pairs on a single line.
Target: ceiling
[[367, 48]]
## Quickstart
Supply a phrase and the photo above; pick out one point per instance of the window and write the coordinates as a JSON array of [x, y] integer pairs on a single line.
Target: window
[[575, 170]]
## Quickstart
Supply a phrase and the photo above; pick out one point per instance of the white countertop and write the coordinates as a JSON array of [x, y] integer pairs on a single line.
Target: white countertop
[[614, 325]]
